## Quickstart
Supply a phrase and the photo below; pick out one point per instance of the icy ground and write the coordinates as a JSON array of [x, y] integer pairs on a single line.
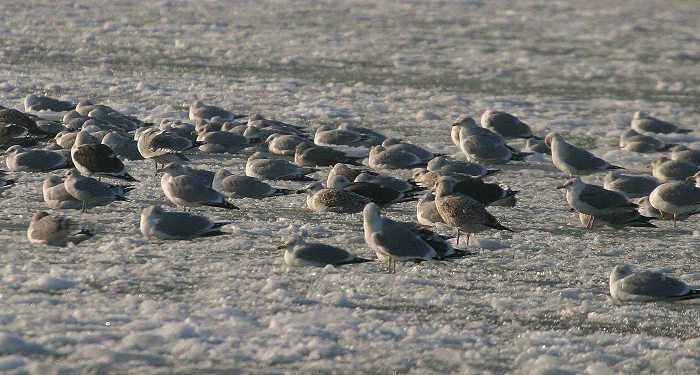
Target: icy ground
[[125, 304]]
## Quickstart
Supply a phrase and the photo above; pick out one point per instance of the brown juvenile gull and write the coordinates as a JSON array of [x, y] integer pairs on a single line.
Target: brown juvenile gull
[[158, 223], [299, 253], [333, 200], [647, 286], [55, 230], [461, 211], [96, 159]]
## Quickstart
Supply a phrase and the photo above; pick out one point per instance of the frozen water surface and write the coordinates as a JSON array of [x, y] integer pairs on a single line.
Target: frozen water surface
[[539, 305]]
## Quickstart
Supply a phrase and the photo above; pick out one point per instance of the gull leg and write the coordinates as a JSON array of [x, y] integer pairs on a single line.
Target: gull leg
[[468, 237], [674, 220], [458, 237], [84, 210]]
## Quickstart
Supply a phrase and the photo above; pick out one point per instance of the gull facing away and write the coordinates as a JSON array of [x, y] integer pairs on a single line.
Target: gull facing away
[[55, 230], [392, 240], [647, 286], [309, 155], [595, 201], [90, 191], [189, 191], [96, 159], [573, 160], [427, 212], [299, 253], [643, 122], [678, 198], [283, 144], [200, 111], [20, 159], [632, 186], [333, 200], [158, 223], [260, 165], [461, 211], [399, 145], [668, 170], [245, 186], [162, 147], [506, 124], [384, 158], [44, 103]]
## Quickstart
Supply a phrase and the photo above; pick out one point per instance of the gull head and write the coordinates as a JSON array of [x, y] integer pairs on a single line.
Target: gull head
[[611, 176], [549, 138], [620, 271], [466, 121], [197, 104], [376, 150], [371, 213], [658, 161], [173, 169], [311, 188], [639, 115], [14, 150], [417, 176], [444, 186], [51, 181], [436, 163], [290, 243], [301, 147], [152, 211], [391, 141], [339, 168], [72, 173], [571, 184], [39, 215], [337, 181]]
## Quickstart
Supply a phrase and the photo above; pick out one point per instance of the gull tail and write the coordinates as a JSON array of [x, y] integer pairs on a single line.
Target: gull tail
[[459, 253], [614, 167], [684, 131], [355, 161], [127, 177], [224, 204], [221, 224], [354, 261], [497, 225], [692, 294], [214, 233], [121, 198], [491, 171], [280, 192], [300, 178]]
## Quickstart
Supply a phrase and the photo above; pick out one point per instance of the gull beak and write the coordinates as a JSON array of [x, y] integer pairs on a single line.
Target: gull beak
[[301, 191], [281, 247], [690, 178], [159, 170], [561, 187]]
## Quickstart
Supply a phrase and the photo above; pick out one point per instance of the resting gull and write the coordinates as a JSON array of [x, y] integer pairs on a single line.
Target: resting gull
[[162, 147], [34, 102], [283, 144], [309, 155], [383, 158], [505, 124], [20, 159], [333, 200], [200, 111], [427, 212], [381, 195], [632, 186], [683, 153], [189, 191], [668, 170], [260, 165], [245, 186], [55, 230], [643, 122], [647, 286], [299, 253], [442, 164], [158, 223]]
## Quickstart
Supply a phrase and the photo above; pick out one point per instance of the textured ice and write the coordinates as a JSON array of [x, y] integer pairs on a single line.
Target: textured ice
[[121, 303]]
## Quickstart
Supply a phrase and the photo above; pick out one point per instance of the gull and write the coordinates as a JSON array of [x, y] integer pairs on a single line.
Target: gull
[[220, 141], [383, 158], [158, 223], [346, 171], [683, 153], [647, 286], [696, 178], [643, 122], [20, 159], [115, 119], [85, 106], [595, 201], [183, 129], [44, 103], [485, 193], [199, 111], [505, 124], [10, 133], [631, 140], [392, 240], [538, 146], [646, 209], [483, 149], [123, 145], [333, 200], [628, 219], [56, 230], [66, 139], [15, 117], [668, 170], [461, 211], [383, 196], [398, 145], [442, 164], [466, 127], [573, 160], [97, 159], [632, 186], [283, 144], [258, 121], [57, 197], [90, 191], [162, 147], [259, 165], [308, 155], [244, 186], [427, 212], [299, 253], [5, 183], [678, 198], [328, 135], [387, 181], [189, 191]]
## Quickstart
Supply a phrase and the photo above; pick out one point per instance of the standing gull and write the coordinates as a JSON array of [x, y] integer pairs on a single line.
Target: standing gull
[[392, 240], [573, 160], [333, 200], [55, 230], [245, 186], [461, 211], [299, 253], [89, 191], [678, 198], [643, 122], [647, 286], [97, 159], [189, 191], [260, 165], [158, 223], [595, 201], [162, 147], [505, 124]]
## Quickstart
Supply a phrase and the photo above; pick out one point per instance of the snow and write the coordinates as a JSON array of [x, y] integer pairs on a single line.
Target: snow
[[534, 301]]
